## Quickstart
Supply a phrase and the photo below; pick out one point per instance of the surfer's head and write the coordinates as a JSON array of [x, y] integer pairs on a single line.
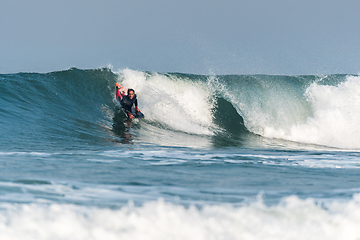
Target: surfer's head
[[131, 93]]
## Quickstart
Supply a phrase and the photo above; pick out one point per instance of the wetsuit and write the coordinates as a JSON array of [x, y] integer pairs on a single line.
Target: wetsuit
[[126, 102]]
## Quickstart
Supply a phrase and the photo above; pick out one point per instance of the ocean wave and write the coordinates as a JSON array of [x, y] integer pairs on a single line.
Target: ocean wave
[[79, 106], [334, 120]]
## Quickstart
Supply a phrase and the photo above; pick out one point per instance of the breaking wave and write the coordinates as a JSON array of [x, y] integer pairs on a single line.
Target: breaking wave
[[79, 106]]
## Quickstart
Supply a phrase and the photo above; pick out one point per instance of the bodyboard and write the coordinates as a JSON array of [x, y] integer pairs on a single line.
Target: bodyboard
[[134, 113]]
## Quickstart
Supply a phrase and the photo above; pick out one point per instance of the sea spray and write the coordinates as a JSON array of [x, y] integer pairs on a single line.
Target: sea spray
[[179, 103]]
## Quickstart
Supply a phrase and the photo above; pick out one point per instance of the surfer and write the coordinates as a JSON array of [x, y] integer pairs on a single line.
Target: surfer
[[128, 101]]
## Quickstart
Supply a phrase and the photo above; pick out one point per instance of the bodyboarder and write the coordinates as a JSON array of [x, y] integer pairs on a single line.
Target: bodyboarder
[[128, 101]]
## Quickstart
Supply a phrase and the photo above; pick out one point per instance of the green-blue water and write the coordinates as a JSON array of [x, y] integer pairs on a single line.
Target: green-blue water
[[216, 157]]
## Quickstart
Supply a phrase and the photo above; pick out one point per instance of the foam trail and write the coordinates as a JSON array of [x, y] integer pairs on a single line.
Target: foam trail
[[292, 218], [176, 103]]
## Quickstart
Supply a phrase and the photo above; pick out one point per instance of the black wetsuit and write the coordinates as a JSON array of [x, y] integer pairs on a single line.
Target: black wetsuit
[[128, 103]]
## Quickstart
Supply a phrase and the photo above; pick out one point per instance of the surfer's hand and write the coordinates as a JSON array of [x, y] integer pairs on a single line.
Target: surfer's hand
[[131, 116]]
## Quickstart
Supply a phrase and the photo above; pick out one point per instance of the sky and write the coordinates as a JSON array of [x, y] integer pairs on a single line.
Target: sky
[[287, 37]]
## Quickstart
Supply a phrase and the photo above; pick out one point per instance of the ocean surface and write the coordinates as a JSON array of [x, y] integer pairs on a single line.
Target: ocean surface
[[216, 157]]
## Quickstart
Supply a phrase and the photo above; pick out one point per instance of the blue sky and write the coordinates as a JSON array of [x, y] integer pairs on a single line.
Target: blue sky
[[222, 37]]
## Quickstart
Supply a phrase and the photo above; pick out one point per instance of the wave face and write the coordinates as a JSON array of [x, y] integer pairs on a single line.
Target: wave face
[[76, 106], [59, 109]]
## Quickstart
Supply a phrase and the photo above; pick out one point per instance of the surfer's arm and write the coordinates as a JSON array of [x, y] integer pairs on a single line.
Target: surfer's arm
[[130, 115], [119, 95], [136, 106]]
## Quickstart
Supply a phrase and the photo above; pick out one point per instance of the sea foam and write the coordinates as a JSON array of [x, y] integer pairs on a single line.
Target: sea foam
[[292, 218]]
